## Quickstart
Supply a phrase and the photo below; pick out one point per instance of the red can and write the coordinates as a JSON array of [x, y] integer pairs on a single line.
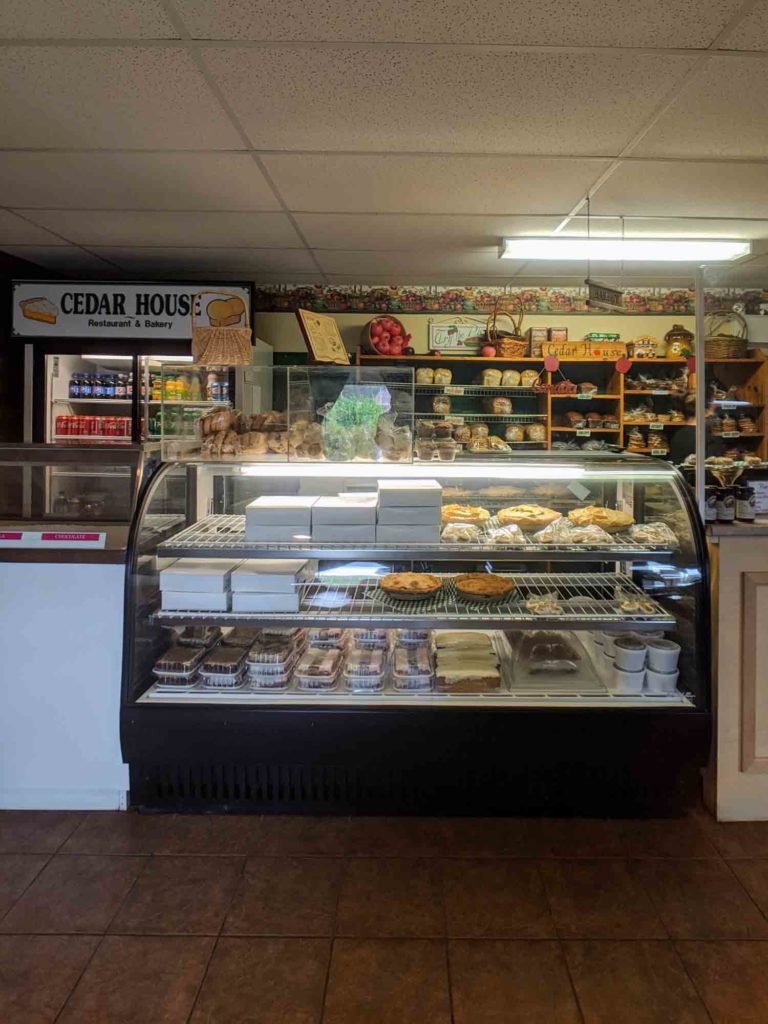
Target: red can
[[126, 426], [62, 427]]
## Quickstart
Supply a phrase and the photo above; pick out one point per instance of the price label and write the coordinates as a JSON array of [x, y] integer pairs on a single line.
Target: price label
[[659, 451], [458, 420], [583, 433], [584, 396], [655, 426], [453, 389], [727, 405], [660, 391], [730, 433]]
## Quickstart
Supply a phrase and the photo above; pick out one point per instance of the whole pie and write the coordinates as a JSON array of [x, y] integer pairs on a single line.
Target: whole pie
[[410, 584], [464, 514], [527, 517], [609, 519], [483, 584]]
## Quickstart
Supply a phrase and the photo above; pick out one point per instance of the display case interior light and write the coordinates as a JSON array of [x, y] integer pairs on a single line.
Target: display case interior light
[[457, 471], [666, 250]]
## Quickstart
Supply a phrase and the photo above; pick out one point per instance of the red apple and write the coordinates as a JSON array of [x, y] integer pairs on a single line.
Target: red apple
[[382, 347], [376, 329], [396, 347], [395, 329], [386, 336], [488, 351]]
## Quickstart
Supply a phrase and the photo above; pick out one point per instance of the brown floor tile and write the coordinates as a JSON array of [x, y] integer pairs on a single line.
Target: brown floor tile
[[632, 983], [124, 832], [213, 834], [285, 896], [74, 894], [17, 870], [575, 837], [387, 981], [495, 899], [299, 836], [599, 899], [731, 977], [180, 895], [396, 837], [391, 897], [139, 979], [700, 899], [753, 875], [740, 838], [264, 981], [490, 837], [668, 837], [36, 831], [495, 982], [37, 973]]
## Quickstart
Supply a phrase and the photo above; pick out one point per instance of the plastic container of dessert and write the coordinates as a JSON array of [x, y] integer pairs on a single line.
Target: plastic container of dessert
[[272, 654], [412, 669], [240, 636], [222, 669], [364, 671], [221, 681], [420, 637], [199, 636], [376, 639], [330, 638], [178, 662], [318, 668], [256, 678], [176, 684]]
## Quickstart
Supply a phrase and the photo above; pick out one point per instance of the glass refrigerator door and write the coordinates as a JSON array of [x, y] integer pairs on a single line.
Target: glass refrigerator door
[[88, 399]]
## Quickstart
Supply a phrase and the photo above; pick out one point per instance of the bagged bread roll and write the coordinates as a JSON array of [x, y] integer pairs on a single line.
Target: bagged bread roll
[[514, 432], [528, 378], [443, 376], [425, 375], [491, 378], [510, 378], [498, 406]]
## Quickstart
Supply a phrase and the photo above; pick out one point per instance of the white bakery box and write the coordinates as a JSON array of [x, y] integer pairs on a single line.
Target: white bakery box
[[196, 584], [270, 584]]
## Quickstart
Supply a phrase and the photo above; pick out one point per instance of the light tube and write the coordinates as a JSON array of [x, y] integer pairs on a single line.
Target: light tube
[[669, 250]]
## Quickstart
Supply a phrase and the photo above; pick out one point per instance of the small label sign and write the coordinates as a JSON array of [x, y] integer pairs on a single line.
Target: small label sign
[[727, 405], [453, 389], [730, 433], [579, 490], [583, 433], [51, 539], [659, 451], [584, 396], [655, 426], [660, 391]]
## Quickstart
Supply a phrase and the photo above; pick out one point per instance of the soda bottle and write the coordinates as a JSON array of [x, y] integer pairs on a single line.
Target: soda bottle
[[129, 385], [109, 385], [86, 386], [120, 385], [74, 385]]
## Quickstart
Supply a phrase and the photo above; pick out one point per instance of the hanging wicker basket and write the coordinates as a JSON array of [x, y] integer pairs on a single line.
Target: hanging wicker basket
[[726, 335], [224, 342], [504, 328]]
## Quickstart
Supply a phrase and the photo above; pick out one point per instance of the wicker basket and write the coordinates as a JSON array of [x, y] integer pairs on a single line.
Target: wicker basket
[[509, 341], [511, 348], [726, 335], [223, 342]]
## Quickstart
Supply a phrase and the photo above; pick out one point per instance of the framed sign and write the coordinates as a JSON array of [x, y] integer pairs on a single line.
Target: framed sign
[[83, 309], [587, 349], [458, 337], [322, 337]]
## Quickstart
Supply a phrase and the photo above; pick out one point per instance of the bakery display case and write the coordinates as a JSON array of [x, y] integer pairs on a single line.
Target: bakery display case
[[464, 635]]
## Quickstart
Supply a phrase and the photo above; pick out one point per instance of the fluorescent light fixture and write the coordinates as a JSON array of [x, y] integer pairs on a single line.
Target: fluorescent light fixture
[[668, 250], [345, 471]]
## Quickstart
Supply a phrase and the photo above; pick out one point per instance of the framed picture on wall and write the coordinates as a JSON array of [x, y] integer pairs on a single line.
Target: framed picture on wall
[[459, 336], [322, 337]]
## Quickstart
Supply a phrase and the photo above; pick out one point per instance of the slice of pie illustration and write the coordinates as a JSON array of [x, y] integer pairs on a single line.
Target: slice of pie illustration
[[39, 308]]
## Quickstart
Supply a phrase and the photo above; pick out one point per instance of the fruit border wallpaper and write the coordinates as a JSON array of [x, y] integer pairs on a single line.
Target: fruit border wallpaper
[[441, 299]]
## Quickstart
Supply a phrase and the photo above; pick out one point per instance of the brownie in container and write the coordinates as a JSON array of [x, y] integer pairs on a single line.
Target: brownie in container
[[179, 661], [240, 637], [222, 669], [331, 637], [412, 668], [199, 636], [318, 668], [364, 671]]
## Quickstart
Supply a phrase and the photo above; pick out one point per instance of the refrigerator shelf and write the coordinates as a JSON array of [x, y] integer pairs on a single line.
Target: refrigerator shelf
[[474, 391], [587, 600], [222, 536]]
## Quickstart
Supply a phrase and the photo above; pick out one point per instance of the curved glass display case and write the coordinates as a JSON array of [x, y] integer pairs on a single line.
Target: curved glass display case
[[549, 586]]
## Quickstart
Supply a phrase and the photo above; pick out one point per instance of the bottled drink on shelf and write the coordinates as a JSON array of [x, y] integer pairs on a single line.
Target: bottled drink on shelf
[[86, 385], [109, 385], [213, 387], [74, 385]]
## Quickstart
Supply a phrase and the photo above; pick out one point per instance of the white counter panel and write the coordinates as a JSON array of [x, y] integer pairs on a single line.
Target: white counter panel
[[61, 635]]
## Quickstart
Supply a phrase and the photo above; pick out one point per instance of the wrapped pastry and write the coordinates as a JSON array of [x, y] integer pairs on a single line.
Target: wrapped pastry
[[498, 406], [443, 376], [587, 387], [462, 434], [655, 533], [478, 446], [635, 439], [495, 444], [511, 534], [514, 432], [557, 532], [528, 378], [594, 420], [589, 536], [275, 421], [460, 533], [747, 425], [441, 404], [510, 378], [256, 442], [657, 442], [729, 424], [425, 375], [544, 604], [575, 419], [491, 378], [277, 443], [536, 432], [478, 430]]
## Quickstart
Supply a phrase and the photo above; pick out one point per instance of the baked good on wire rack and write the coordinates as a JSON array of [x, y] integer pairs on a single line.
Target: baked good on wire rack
[[527, 517], [475, 514], [483, 586], [610, 519], [410, 585]]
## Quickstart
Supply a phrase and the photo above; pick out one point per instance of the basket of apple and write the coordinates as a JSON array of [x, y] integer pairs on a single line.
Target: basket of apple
[[386, 336]]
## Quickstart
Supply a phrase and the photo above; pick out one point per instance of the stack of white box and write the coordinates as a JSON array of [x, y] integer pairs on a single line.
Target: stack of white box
[[348, 518], [409, 512], [270, 584], [197, 585], [280, 519]]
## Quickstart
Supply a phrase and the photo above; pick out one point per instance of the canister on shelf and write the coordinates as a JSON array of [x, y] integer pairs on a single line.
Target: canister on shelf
[[726, 504], [745, 503]]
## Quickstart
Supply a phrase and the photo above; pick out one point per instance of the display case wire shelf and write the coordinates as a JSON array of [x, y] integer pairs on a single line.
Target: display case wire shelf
[[585, 600], [474, 390], [222, 536], [520, 417]]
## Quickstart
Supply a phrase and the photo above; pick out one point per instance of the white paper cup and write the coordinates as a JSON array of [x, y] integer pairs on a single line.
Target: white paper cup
[[606, 666], [661, 682], [663, 655], [628, 682], [630, 655], [607, 641]]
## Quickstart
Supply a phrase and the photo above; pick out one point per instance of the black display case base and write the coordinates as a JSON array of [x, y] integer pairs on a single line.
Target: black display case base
[[465, 762]]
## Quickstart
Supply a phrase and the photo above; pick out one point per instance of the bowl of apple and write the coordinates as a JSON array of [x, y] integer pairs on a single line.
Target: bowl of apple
[[386, 336]]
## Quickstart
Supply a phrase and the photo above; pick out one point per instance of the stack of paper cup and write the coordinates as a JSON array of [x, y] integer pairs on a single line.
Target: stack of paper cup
[[629, 661], [662, 674]]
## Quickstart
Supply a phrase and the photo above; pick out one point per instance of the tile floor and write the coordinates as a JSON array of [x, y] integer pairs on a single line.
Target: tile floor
[[137, 919]]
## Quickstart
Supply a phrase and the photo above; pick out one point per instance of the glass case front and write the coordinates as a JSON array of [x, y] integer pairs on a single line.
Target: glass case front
[[556, 580]]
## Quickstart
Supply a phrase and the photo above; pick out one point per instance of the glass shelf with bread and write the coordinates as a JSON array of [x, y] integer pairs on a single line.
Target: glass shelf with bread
[[575, 580]]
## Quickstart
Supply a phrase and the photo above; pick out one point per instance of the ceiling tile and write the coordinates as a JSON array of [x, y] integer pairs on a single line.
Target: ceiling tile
[[544, 22], [18, 231], [679, 188], [718, 112], [430, 184], [227, 260], [265, 230], [673, 227], [86, 19], [408, 265], [130, 181], [446, 101], [108, 97], [66, 259], [751, 33], [414, 231]]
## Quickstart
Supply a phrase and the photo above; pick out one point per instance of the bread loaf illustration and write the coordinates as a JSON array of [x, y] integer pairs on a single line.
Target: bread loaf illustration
[[225, 312]]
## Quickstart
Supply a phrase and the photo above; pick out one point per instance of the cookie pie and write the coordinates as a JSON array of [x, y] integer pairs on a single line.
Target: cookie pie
[[484, 586], [610, 519], [410, 585], [527, 517], [464, 514]]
